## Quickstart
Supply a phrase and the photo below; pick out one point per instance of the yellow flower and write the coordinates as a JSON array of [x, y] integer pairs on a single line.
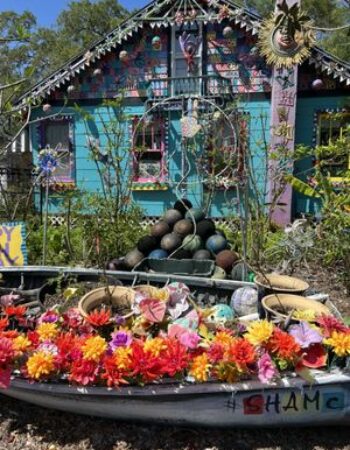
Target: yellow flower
[[155, 346], [224, 338], [122, 357], [93, 348], [21, 344], [304, 314], [340, 343], [259, 332], [47, 331], [200, 368], [227, 372], [40, 364]]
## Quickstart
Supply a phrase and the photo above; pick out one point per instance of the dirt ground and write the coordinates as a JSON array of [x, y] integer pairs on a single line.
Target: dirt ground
[[23, 426]]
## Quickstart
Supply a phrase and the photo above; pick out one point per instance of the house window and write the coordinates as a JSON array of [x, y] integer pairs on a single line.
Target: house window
[[149, 164], [331, 127], [56, 134]]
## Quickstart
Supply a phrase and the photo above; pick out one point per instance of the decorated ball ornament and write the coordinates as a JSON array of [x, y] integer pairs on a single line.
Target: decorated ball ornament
[[146, 244], [97, 72], [216, 244], [181, 253], [244, 301], [205, 228], [240, 272], [183, 227], [170, 242], [227, 32], [123, 56], [201, 255], [195, 213], [219, 273], [317, 84], [183, 205], [225, 259], [192, 243], [172, 216], [160, 229], [71, 88], [159, 253], [157, 43], [133, 258]]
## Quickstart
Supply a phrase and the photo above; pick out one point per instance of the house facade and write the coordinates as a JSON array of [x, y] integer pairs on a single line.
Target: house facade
[[197, 109]]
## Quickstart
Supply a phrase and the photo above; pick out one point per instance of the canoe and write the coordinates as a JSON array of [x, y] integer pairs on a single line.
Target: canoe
[[290, 402], [246, 404]]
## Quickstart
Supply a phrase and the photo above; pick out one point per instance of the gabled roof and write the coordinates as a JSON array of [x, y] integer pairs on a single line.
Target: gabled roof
[[161, 13]]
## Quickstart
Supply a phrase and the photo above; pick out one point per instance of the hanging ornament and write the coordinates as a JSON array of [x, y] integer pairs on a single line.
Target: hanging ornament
[[193, 13], [227, 32], [70, 88], [217, 115], [179, 18], [317, 84], [123, 56], [224, 13], [189, 46], [46, 107], [285, 39], [157, 43], [97, 72]]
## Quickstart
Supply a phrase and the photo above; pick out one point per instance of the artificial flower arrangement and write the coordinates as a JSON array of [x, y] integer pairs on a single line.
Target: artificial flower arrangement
[[164, 340]]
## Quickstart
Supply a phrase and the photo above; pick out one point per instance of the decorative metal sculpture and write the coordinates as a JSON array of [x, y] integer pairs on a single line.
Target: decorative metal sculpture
[[189, 45]]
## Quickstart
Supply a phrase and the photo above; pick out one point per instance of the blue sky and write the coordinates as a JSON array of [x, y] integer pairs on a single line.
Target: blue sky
[[46, 11]]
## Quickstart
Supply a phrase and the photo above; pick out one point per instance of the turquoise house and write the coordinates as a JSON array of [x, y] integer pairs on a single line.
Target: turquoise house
[[196, 97]]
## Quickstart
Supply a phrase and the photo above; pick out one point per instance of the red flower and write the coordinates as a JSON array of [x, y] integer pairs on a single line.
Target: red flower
[[16, 311], [144, 365], [67, 344], [330, 324], [283, 345], [99, 318], [241, 352], [215, 353], [9, 334], [111, 373], [175, 358], [84, 372], [33, 337], [7, 351], [4, 323], [314, 357]]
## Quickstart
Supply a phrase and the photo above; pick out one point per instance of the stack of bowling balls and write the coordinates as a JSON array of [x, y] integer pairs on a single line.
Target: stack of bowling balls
[[183, 233]]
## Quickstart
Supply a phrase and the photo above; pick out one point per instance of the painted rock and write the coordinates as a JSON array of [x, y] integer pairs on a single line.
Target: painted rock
[[192, 243], [195, 213], [159, 253], [147, 244], [220, 314], [244, 301], [172, 216], [183, 227], [133, 258], [225, 259], [170, 242], [202, 254], [205, 228], [160, 229], [183, 205], [216, 244]]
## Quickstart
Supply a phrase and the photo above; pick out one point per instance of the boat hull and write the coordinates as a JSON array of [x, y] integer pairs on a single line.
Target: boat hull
[[251, 404]]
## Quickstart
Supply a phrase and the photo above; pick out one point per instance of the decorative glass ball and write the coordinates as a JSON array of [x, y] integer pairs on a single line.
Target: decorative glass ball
[[123, 55], [317, 84], [227, 32]]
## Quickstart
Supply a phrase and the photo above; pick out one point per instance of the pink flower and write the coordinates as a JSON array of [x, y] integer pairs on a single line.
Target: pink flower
[[5, 378], [190, 339], [267, 369], [9, 299]]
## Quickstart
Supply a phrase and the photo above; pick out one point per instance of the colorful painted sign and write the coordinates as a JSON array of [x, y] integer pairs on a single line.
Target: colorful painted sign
[[13, 250]]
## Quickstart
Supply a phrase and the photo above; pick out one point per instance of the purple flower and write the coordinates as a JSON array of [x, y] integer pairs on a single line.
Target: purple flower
[[49, 317], [48, 347], [267, 369], [304, 335], [120, 339]]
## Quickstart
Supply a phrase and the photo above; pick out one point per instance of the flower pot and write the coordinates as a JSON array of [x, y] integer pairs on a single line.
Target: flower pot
[[275, 303], [113, 296], [274, 283]]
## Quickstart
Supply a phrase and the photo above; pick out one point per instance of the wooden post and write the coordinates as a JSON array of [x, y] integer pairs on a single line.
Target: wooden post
[[283, 112]]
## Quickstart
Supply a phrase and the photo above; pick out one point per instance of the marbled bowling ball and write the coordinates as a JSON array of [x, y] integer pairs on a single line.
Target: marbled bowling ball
[[181, 253], [221, 233], [192, 243], [116, 264], [244, 301], [216, 244], [183, 227], [172, 216], [183, 205], [159, 253], [133, 258], [240, 272], [147, 244], [160, 229], [205, 228], [225, 259], [195, 213], [170, 242], [219, 274], [200, 255]]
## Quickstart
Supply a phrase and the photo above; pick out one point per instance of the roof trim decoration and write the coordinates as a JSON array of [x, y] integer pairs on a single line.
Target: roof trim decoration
[[217, 10]]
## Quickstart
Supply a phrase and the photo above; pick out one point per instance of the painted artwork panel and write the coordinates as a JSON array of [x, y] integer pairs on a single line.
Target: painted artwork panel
[[13, 250]]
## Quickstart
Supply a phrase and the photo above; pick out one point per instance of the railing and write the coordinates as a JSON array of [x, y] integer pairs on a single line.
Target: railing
[[206, 86]]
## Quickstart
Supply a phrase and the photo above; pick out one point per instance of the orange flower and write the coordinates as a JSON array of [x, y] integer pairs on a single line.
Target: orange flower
[[283, 345], [4, 323], [40, 365], [241, 352], [200, 368], [21, 343], [99, 318], [122, 357], [47, 331], [93, 348], [17, 311], [155, 346], [223, 338]]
